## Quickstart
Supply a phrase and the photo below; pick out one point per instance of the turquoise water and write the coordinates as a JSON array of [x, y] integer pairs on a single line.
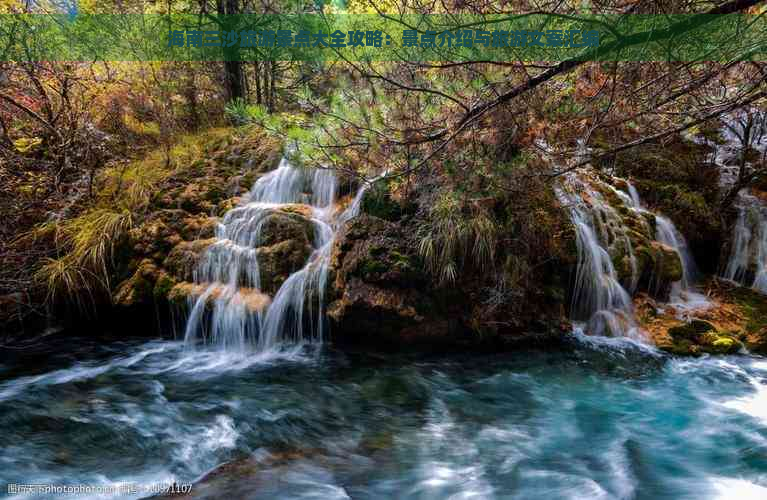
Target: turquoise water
[[595, 420]]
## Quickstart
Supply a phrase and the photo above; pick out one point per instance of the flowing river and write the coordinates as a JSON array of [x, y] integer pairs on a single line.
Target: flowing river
[[596, 419]]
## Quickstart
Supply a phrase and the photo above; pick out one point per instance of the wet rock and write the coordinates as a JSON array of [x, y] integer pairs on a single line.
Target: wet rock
[[278, 261], [721, 344], [225, 205], [698, 337], [692, 330], [378, 201], [251, 299], [139, 288], [379, 287], [200, 227], [154, 237], [196, 198], [668, 265], [286, 225], [183, 259], [257, 476]]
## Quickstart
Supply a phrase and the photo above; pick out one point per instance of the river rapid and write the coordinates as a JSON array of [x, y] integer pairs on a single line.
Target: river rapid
[[597, 419]]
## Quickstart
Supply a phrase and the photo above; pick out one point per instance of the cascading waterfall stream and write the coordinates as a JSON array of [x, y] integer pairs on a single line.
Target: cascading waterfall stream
[[747, 263], [598, 296], [231, 312], [683, 295], [747, 259]]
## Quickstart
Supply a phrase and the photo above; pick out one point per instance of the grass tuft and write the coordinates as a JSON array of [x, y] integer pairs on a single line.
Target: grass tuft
[[456, 235], [86, 245]]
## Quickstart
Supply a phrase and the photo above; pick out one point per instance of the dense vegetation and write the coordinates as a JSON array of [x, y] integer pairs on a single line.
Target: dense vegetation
[[95, 157]]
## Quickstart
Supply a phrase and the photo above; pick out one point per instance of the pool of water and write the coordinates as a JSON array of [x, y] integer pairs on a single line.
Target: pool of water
[[598, 420]]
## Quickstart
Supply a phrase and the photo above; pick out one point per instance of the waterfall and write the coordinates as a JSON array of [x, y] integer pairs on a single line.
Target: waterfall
[[747, 262], [747, 259], [231, 312], [684, 297], [598, 297]]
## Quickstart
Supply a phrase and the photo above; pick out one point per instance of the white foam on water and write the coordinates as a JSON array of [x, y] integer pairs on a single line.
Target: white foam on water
[[727, 488], [221, 319]]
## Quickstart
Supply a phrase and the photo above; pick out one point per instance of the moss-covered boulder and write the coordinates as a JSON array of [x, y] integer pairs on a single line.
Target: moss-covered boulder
[[380, 201], [139, 288], [183, 259], [199, 227], [693, 330], [278, 261], [285, 225], [668, 265], [378, 288], [678, 179], [698, 337]]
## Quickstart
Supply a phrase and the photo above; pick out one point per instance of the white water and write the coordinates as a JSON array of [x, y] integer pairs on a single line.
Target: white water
[[598, 296], [747, 260], [684, 297], [232, 313], [747, 263]]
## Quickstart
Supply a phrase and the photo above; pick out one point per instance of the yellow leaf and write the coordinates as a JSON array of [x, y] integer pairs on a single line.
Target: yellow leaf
[[26, 144]]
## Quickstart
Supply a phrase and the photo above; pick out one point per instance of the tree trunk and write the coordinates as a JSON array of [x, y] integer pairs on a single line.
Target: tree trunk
[[273, 86], [233, 74], [191, 97], [257, 66]]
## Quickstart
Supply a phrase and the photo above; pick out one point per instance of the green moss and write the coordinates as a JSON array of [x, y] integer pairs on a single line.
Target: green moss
[[372, 266], [376, 250], [378, 202], [680, 347], [215, 194], [554, 293], [724, 345], [668, 264], [754, 306], [691, 330], [163, 287]]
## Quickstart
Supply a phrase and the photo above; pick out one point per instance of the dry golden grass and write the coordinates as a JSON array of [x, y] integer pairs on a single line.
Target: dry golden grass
[[454, 235]]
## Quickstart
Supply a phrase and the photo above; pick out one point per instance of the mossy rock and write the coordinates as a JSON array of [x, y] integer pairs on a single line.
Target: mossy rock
[[384, 264], [200, 227], [372, 266], [185, 293], [215, 194], [194, 199], [646, 257], [163, 286], [668, 265], [680, 347], [282, 226], [278, 261], [720, 344], [138, 289], [692, 330], [378, 202], [227, 204], [183, 259], [700, 337], [152, 236]]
